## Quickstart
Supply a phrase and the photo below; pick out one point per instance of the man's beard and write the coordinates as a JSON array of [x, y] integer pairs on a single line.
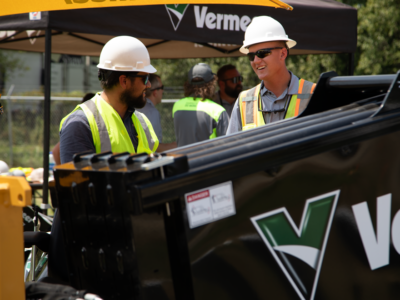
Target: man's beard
[[234, 93], [136, 102]]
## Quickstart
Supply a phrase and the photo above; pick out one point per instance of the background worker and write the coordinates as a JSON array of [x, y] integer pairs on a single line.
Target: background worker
[[153, 98], [109, 121], [281, 94], [196, 117], [230, 86]]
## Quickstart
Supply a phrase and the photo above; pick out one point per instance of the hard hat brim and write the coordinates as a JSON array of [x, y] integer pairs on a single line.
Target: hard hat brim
[[147, 69], [245, 48]]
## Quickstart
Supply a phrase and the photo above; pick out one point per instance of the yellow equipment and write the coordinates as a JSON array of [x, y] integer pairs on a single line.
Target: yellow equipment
[[15, 193]]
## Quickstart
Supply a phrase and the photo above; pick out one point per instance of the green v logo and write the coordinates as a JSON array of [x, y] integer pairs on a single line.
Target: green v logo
[[176, 12], [299, 251]]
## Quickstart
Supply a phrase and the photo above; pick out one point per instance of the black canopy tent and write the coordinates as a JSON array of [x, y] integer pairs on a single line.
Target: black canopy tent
[[183, 31], [175, 31]]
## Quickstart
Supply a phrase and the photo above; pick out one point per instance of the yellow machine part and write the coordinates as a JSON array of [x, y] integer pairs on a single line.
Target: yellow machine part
[[15, 193]]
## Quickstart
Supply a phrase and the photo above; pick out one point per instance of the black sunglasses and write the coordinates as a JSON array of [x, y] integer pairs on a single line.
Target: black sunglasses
[[158, 88], [261, 53], [144, 77], [235, 80]]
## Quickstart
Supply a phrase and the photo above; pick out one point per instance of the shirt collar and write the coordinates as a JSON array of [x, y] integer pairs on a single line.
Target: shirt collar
[[129, 111], [222, 100], [292, 90], [150, 102]]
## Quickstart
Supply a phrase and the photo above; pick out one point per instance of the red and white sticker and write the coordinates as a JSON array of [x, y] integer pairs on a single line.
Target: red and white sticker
[[36, 15], [210, 204]]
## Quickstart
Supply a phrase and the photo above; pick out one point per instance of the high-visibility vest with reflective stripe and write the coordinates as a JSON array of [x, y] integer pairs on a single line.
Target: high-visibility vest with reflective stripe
[[212, 109], [249, 100], [109, 132]]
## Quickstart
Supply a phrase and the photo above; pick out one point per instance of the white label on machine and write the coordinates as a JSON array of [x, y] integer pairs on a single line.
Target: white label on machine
[[210, 204], [37, 15]]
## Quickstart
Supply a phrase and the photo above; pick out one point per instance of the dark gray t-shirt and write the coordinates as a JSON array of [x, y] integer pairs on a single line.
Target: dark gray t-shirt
[[228, 106], [195, 125], [76, 136]]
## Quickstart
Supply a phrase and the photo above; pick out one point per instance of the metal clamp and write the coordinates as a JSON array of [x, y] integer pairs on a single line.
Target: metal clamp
[[158, 163]]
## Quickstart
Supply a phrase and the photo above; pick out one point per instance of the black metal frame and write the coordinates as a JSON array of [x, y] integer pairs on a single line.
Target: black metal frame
[[46, 114]]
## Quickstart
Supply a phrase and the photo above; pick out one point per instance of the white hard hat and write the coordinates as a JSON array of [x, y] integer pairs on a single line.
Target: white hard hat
[[264, 29], [3, 167], [18, 172], [125, 54]]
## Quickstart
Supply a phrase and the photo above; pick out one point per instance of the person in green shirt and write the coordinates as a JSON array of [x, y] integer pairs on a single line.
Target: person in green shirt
[[196, 117]]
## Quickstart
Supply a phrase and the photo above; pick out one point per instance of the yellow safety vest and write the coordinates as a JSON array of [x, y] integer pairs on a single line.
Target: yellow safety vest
[[109, 132], [250, 101]]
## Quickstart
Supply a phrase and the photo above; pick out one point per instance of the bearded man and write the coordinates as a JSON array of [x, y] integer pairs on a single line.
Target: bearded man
[[109, 121], [230, 86]]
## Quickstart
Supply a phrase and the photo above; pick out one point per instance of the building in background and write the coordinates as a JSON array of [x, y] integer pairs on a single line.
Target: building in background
[[68, 73]]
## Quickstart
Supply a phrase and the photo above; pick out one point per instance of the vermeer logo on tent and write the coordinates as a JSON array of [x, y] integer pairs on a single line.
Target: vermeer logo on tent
[[299, 251], [209, 19], [176, 12], [220, 21]]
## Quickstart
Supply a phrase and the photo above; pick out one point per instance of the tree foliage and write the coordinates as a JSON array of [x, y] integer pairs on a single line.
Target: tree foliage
[[378, 37], [378, 44]]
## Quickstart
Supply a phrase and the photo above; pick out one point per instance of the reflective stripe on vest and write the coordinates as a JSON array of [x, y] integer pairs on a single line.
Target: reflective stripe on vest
[[109, 132], [299, 102], [103, 137], [149, 139], [251, 117]]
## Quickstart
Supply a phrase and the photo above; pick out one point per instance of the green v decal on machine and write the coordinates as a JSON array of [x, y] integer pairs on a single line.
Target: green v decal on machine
[[176, 13], [299, 251]]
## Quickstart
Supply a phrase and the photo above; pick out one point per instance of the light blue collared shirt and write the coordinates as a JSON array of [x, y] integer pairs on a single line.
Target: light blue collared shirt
[[151, 112], [269, 101]]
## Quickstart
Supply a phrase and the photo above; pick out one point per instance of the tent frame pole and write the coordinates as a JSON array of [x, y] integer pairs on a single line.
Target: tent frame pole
[[46, 117]]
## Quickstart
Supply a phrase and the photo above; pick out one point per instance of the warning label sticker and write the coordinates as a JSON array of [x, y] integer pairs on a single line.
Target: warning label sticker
[[210, 204]]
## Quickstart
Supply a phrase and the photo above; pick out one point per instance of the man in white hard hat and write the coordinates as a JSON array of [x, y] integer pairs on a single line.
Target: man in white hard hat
[[109, 121], [153, 98], [281, 94]]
